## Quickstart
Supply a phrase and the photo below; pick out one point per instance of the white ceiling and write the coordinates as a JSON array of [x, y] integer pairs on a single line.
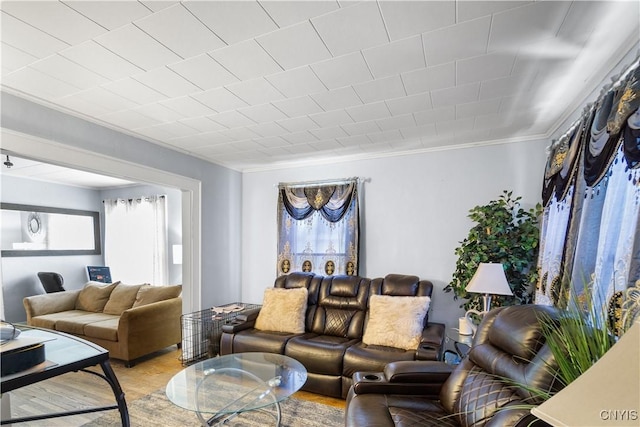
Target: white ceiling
[[30, 169], [253, 84]]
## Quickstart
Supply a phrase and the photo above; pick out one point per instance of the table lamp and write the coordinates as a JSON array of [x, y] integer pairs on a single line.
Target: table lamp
[[489, 279], [606, 394]]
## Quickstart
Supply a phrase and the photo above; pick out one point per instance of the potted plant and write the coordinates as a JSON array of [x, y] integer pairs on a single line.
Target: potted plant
[[505, 233]]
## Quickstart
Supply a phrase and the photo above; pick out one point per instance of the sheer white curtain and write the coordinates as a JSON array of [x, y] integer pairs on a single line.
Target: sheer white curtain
[[136, 239]]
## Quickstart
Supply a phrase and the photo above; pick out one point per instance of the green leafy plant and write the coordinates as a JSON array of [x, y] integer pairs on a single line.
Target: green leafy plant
[[505, 233]]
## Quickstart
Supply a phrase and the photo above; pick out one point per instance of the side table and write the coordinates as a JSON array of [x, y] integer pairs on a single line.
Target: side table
[[462, 343], [201, 330]]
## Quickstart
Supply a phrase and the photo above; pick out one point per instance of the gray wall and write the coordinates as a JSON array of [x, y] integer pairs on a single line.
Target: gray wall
[[221, 187], [19, 277], [414, 211]]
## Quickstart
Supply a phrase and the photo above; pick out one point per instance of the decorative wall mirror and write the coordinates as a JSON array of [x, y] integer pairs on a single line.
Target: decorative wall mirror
[[42, 231]]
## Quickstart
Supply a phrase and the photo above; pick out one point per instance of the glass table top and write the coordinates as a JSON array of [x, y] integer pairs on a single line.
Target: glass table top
[[236, 383]]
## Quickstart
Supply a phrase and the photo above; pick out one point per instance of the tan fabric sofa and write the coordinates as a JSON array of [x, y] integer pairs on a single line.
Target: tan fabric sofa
[[129, 321]]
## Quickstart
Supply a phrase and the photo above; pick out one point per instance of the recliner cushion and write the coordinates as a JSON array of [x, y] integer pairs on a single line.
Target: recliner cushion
[[396, 321]]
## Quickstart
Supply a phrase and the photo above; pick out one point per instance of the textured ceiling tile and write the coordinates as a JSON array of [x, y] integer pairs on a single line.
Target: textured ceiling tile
[[135, 91], [135, 46], [409, 104], [232, 119], [61, 68], [219, 99], [272, 141], [188, 106], [167, 82], [246, 60], [100, 60], [474, 9], [256, 91], [381, 89], [337, 99], [486, 67], [396, 57], [180, 31], [397, 122], [287, 13], [55, 19], [386, 136], [13, 58], [27, 38], [129, 119], [232, 21], [477, 108], [263, 113], [407, 18], [331, 118], [297, 82], [294, 46], [268, 129], [202, 124], [351, 28], [528, 24], [343, 71], [110, 14], [437, 115], [455, 95], [300, 137], [431, 78], [457, 42], [295, 107], [204, 72], [366, 112], [418, 132], [361, 128], [29, 80], [328, 133], [160, 112], [298, 124]]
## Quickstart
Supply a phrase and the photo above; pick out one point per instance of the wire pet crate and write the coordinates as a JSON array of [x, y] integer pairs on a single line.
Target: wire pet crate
[[201, 330]]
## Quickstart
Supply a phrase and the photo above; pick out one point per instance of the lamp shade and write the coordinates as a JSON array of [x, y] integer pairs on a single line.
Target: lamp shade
[[489, 278], [607, 394]]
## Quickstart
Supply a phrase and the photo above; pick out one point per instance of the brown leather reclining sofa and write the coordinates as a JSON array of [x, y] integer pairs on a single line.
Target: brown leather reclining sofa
[[486, 389], [331, 348]]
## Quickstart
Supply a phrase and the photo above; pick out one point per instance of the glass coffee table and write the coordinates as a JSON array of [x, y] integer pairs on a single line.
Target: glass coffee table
[[64, 353], [221, 388]]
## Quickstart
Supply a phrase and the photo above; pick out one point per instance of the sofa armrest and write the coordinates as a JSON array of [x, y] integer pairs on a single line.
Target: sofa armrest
[[243, 321], [149, 321], [431, 343], [38, 305], [423, 378]]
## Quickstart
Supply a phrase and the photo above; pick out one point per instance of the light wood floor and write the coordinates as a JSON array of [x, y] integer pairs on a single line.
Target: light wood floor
[[78, 389]]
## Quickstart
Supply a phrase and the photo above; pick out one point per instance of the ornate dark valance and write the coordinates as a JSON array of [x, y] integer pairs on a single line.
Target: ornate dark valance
[[332, 201]]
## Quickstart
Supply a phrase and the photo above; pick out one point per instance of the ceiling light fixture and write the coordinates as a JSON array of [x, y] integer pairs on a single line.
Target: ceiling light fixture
[[8, 163]]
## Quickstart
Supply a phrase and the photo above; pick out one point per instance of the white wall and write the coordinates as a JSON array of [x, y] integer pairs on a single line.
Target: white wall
[[414, 211]]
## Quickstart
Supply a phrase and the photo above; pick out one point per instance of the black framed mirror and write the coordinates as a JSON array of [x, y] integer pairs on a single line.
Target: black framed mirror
[[29, 230]]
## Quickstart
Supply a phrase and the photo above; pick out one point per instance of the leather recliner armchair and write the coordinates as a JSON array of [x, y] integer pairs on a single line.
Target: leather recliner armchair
[[486, 389]]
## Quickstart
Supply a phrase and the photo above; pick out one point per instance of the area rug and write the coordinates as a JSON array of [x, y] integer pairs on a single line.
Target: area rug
[[155, 409]]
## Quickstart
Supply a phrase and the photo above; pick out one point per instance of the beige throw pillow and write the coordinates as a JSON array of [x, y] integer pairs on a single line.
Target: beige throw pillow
[[121, 299], [148, 294], [94, 296], [395, 321], [283, 310]]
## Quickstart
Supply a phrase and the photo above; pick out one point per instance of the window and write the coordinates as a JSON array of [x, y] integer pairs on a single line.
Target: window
[[318, 228], [136, 239]]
